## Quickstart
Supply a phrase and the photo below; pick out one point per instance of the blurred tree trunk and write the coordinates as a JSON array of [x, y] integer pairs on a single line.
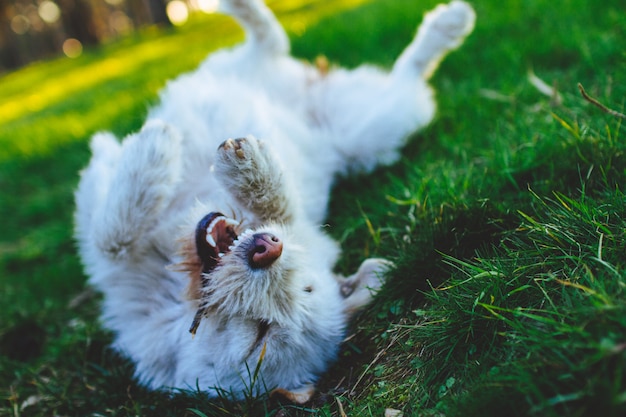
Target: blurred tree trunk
[[79, 22], [138, 12], [158, 13], [9, 52]]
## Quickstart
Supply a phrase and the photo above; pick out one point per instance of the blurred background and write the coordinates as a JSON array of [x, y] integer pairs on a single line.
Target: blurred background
[[35, 29]]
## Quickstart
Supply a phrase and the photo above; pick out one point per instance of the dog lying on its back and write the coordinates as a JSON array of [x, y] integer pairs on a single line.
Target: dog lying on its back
[[184, 235]]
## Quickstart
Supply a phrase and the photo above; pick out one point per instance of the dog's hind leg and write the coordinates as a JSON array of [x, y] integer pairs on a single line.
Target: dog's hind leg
[[442, 30], [264, 32], [248, 169], [139, 188], [393, 109]]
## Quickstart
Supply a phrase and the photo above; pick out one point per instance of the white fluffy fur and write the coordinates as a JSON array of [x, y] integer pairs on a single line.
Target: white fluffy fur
[[136, 199]]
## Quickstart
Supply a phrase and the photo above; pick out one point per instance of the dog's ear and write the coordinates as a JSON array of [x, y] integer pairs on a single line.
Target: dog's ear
[[190, 264]]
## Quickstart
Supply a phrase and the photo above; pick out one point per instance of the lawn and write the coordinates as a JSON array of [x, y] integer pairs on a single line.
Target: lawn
[[506, 219]]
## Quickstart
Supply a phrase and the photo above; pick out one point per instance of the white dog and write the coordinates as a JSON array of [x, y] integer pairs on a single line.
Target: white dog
[[225, 242]]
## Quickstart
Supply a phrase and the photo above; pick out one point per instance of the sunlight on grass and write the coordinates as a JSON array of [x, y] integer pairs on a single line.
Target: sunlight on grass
[[84, 76], [34, 118]]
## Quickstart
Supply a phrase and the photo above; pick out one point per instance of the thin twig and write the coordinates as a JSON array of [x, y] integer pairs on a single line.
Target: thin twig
[[342, 413], [598, 104]]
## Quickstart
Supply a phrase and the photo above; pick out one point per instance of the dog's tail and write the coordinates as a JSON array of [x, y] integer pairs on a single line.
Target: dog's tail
[[442, 30], [263, 30]]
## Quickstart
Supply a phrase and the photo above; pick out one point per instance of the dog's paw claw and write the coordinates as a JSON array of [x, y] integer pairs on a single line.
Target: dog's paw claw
[[235, 146], [240, 149], [244, 157]]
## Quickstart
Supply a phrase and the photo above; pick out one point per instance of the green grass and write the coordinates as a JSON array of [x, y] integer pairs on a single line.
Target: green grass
[[506, 219]]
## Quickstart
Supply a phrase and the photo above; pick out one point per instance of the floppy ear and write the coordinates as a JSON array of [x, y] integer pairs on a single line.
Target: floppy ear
[[191, 264], [359, 289]]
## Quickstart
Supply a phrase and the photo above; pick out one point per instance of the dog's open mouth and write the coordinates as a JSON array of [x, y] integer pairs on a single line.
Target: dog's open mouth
[[215, 236]]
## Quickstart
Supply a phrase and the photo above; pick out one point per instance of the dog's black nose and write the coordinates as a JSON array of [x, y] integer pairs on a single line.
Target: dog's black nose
[[264, 249]]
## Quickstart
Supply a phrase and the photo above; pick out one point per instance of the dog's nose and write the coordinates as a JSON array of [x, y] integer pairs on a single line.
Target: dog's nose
[[265, 248]]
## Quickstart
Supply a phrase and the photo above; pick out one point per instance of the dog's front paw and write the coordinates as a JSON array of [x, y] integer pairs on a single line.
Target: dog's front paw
[[359, 289], [248, 169], [243, 157]]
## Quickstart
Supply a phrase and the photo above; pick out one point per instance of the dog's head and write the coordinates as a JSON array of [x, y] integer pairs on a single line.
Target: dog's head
[[252, 273]]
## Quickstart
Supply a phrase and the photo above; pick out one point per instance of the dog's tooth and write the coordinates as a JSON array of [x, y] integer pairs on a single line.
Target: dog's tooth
[[221, 255], [209, 239], [231, 222], [214, 222]]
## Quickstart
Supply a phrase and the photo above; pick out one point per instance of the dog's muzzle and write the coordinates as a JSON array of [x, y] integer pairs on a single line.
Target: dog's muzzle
[[216, 235], [263, 249]]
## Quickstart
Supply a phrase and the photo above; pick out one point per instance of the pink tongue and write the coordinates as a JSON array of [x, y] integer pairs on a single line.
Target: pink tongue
[[266, 248]]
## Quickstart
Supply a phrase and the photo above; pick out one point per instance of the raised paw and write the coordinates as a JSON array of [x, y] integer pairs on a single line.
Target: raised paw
[[248, 169], [360, 288], [443, 29], [234, 145], [455, 20], [243, 153]]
